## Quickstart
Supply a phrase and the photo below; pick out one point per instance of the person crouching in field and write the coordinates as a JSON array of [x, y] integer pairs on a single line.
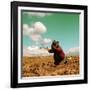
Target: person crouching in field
[[59, 54]]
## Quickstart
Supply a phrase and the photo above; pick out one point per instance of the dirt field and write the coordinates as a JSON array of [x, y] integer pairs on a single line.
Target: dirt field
[[43, 66]]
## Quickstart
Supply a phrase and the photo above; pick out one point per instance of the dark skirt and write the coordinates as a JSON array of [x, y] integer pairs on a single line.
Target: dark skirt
[[57, 59]]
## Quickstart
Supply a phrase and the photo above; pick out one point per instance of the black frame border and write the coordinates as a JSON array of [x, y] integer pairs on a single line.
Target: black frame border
[[14, 44]]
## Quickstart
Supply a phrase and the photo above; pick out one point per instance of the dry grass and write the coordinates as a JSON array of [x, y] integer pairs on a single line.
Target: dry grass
[[43, 66]]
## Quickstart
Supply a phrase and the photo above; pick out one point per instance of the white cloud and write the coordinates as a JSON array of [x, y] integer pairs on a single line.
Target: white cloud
[[27, 30], [38, 14], [35, 37], [25, 26], [39, 27], [36, 28], [47, 41], [34, 31], [33, 48], [35, 51], [73, 51], [26, 52]]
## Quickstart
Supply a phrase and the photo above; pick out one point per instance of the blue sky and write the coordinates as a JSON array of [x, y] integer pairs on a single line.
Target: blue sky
[[63, 27]]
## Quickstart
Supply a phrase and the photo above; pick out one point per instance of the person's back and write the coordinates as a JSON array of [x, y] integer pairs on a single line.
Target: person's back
[[58, 52]]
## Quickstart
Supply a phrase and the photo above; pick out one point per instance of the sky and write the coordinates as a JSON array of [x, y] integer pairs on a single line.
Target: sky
[[41, 28]]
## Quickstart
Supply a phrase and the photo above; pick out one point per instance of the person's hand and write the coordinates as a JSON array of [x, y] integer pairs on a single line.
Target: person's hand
[[54, 47], [47, 49]]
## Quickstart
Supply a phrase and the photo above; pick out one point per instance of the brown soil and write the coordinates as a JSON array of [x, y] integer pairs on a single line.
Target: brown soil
[[44, 66]]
